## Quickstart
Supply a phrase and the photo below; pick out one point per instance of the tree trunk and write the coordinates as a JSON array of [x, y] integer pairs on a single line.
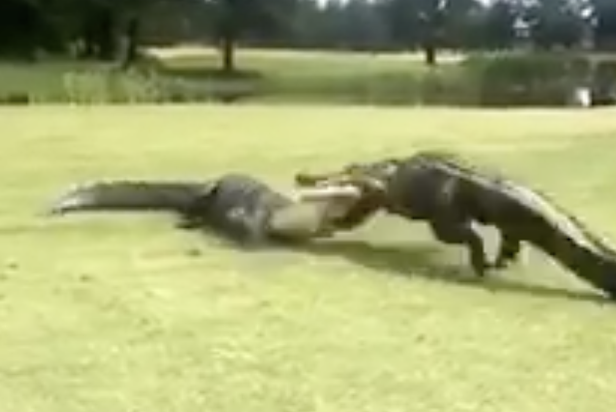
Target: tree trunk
[[430, 54], [131, 43], [105, 33], [432, 23], [228, 54]]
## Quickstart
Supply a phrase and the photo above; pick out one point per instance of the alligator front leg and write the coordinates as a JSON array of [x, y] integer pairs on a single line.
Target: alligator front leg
[[509, 250], [461, 232]]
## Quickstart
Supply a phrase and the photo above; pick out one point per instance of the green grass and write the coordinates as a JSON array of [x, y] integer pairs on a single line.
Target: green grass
[[123, 313], [314, 76], [189, 74], [192, 74], [297, 63]]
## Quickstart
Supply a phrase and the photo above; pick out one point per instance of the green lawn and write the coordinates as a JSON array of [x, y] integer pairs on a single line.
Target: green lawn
[[299, 63], [191, 73], [123, 313]]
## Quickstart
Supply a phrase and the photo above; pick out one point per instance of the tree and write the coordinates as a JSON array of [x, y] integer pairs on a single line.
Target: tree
[[426, 23], [305, 26], [234, 18], [555, 22], [499, 24], [604, 16], [361, 28], [404, 22], [462, 21]]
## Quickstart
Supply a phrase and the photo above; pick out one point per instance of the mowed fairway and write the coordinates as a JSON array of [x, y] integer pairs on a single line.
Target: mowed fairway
[[123, 313]]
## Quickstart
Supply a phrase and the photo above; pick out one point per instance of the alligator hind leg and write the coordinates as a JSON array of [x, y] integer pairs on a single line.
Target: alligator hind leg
[[509, 251], [195, 215], [461, 232]]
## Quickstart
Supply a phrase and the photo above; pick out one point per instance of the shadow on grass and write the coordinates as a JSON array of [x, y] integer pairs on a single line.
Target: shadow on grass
[[426, 262]]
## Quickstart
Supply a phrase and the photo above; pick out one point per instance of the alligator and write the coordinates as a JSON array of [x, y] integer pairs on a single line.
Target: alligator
[[235, 205], [453, 196]]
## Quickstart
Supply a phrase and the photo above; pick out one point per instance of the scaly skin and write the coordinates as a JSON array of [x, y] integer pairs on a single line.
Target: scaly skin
[[451, 196], [237, 206]]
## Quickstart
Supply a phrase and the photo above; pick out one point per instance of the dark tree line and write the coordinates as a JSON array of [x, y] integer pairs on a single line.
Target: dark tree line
[[106, 29]]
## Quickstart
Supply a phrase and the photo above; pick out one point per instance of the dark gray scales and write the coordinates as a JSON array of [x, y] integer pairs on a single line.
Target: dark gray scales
[[237, 206], [452, 195]]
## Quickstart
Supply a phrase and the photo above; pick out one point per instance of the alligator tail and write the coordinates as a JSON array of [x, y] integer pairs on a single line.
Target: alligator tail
[[596, 264], [177, 197], [562, 236], [576, 247], [574, 244]]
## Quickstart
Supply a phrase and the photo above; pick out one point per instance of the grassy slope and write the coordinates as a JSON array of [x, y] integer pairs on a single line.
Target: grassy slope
[[57, 80], [122, 313], [297, 62]]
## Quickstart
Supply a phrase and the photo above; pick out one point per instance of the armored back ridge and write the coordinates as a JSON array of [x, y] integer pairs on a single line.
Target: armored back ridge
[[533, 201], [451, 195]]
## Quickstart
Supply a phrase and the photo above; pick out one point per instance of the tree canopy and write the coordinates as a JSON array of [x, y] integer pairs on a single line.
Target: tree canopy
[[94, 28]]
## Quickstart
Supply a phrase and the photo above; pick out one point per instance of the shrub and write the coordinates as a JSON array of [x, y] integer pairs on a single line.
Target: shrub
[[604, 82], [497, 79], [521, 79]]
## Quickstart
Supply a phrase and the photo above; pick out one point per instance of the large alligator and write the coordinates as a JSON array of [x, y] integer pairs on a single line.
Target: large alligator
[[236, 206], [452, 195]]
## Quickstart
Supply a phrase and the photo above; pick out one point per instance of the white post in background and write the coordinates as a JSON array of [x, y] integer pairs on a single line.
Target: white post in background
[[582, 97]]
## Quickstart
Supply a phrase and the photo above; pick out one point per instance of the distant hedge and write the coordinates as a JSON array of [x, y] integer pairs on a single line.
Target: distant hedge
[[498, 79], [534, 79]]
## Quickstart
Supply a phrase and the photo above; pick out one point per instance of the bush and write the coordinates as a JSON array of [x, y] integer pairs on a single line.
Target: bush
[[498, 79], [99, 84], [604, 83], [517, 79], [104, 84]]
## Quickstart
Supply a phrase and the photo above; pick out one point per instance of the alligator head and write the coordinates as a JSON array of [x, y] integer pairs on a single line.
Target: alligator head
[[368, 176], [370, 179]]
